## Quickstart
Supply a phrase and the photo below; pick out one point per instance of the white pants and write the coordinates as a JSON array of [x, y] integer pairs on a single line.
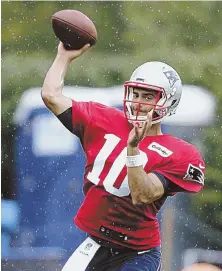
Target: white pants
[[82, 256]]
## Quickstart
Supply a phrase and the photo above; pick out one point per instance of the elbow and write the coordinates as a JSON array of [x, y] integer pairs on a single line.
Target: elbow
[[142, 199], [48, 97], [50, 91]]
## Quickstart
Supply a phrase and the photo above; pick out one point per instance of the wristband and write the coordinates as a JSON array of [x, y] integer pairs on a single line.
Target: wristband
[[134, 161]]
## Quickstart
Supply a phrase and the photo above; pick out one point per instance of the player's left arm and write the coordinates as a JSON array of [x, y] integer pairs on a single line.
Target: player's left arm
[[144, 188]]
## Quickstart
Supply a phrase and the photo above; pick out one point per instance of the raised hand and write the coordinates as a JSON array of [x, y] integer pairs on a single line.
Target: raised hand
[[138, 133], [71, 54]]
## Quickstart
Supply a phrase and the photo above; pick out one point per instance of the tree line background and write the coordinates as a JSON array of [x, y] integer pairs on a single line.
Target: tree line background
[[187, 35]]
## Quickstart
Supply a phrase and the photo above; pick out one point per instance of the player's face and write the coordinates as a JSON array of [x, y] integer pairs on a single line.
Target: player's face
[[143, 96]]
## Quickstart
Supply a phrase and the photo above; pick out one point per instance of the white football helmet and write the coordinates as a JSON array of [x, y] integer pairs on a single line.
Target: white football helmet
[[157, 76]]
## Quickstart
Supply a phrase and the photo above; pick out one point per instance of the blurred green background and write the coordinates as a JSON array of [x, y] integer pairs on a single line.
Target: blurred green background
[[187, 35]]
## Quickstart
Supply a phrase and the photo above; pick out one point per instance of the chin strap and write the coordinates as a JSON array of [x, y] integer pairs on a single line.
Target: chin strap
[[141, 121]]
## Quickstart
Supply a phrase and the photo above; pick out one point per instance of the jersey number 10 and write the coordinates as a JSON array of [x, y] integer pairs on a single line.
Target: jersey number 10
[[118, 165]]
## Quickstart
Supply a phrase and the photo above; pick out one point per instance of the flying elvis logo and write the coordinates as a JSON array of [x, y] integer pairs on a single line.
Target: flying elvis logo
[[163, 151], [171, 76], [194, 174]]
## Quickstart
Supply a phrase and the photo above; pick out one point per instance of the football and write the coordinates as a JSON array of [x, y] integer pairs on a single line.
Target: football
[[74, 29]]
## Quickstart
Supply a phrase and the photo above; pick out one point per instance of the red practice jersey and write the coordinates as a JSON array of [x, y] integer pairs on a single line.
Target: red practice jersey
[[107, 206]]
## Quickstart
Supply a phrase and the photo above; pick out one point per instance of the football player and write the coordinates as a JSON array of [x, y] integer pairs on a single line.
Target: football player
[[131, 167]]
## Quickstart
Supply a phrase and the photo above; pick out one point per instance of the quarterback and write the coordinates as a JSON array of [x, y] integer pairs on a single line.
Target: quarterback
[[131, 167]]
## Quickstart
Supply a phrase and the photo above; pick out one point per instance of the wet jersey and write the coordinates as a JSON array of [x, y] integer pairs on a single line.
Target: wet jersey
[[107, 211]]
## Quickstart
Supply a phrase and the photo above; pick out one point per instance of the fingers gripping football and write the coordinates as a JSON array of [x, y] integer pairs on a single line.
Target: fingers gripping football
[[71, 54]]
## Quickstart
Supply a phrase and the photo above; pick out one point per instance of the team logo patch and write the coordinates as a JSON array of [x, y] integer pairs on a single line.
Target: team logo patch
[[194, 174], [163, 151]]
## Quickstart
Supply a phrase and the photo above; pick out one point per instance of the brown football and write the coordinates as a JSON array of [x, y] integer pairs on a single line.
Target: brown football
[[74, 29]]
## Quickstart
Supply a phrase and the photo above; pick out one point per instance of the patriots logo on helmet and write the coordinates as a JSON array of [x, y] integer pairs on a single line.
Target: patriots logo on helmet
[[171, 76], [194, 174]]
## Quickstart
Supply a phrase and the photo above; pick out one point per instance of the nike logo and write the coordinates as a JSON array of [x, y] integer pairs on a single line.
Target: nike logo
[[200, 166]]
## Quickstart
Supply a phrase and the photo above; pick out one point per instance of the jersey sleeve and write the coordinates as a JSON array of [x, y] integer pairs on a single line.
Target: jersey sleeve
[[81, 117], [187, 174]]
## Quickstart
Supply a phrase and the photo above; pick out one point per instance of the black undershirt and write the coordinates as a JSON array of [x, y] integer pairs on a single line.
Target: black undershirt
[[66, 119]]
